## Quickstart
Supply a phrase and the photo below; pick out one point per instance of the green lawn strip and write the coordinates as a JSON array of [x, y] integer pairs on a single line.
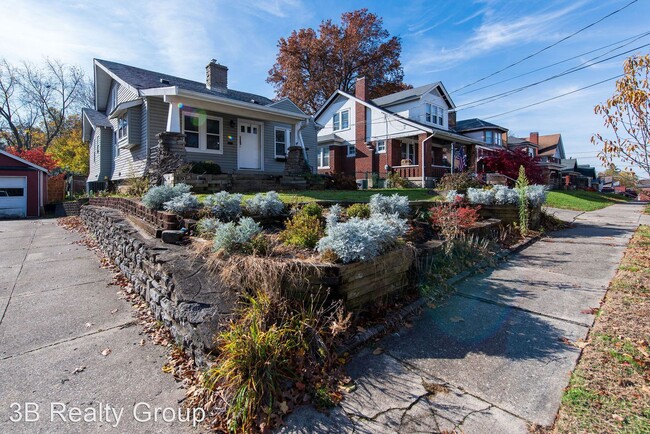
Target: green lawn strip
[[580, 200], [414, 194]]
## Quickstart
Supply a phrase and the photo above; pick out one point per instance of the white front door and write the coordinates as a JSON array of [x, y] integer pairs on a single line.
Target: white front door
[[249, 153], [13, 196]]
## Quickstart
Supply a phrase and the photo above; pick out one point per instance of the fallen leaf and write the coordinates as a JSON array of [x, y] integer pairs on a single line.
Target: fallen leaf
[[580, 343], [79, 369], [113, 311], [142, 342], [106, 352], [408, 325], [167, 368], [378, 351], [617, 417], [300, 386], [456, 319], [89, 324], [284, 408]]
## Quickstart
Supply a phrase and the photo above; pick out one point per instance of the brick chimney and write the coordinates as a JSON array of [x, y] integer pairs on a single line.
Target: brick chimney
[[361, 88], [216, 76], [534, 138], [451, 119]]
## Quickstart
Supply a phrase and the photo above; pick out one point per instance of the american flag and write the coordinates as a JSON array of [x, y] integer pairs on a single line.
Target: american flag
[[460, 159]]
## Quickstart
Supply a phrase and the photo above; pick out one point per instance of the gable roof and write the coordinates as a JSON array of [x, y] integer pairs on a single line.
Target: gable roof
[[418, 125], [139, 79], [549, 143], [569, 165], [476, 124], [96, 118], [29, 163], [413, 94], [518, 141]]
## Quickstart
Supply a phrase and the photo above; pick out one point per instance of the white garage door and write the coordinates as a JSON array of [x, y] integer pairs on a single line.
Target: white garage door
[[13, 196]]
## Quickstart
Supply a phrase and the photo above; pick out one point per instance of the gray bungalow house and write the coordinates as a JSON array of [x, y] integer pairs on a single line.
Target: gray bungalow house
[[240, 131]]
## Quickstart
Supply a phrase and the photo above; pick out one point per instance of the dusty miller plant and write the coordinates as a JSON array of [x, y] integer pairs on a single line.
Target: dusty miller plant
[[389, 205], [230, 237], [206, 227], [480, 196], [505, 196], [182, 204], [225, 206], [536, 195], [362, 239], [156, 197], [265, 205], [524, 213]]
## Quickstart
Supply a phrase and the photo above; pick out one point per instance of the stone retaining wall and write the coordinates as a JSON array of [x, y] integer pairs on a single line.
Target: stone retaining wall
[[158, 219], [181, 293]]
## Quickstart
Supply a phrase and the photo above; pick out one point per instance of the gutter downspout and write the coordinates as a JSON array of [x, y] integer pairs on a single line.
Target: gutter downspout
[[301, 142], [422, 159]]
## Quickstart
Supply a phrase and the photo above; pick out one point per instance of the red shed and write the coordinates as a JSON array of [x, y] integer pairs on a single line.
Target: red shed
[[23, 187]]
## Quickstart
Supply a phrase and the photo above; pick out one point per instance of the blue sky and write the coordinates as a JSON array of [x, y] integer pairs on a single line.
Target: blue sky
[[454, 41]]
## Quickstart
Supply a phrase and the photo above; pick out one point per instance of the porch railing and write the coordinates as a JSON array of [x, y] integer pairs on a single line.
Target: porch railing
[[439, 171], [410, 171]]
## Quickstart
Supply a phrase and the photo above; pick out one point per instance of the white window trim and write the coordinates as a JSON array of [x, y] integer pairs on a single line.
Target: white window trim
[[347, 151], [126, 130], [287, 141], [435, 109], [378, 150], [414, 159], [203, 134], [320, 157], [340, 116]]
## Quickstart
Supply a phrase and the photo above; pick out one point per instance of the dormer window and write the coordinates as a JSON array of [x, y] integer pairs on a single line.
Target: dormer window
[[341, 120], [434, 114], [493, 138], [122, 126]]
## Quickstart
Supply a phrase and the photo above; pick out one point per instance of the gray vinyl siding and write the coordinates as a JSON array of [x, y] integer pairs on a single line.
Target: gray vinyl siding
[[157, 110], [130, 162], [310, 138], [134, 118], [271, 165], [100, 162], [228, 160]]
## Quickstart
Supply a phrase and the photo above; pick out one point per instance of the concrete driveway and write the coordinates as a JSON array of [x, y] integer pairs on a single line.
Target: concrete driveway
[[58, 312]]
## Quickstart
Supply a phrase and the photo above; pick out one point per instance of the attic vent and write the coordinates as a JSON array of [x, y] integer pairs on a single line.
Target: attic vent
[[254, 101], [164, 81]]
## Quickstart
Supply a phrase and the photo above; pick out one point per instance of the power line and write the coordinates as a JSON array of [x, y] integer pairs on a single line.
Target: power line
[[553, 98], [498, 96], [631, 39], [545, 48]]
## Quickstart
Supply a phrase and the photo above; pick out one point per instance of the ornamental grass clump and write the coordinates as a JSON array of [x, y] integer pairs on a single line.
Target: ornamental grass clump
[[276, 354], [156, 197], [264, 205], [182, 204], [390, 205], [224, 206], [233, 237], [363, 239]]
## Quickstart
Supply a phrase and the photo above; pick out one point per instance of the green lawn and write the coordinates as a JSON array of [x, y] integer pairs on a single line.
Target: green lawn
[[414, 194], [580, 200]]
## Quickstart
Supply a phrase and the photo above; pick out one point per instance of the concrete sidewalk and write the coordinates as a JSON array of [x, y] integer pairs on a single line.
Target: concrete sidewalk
[[58, 313], [498, 354]]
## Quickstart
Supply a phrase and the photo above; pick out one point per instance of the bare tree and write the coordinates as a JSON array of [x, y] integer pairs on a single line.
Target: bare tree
[[35, 101]]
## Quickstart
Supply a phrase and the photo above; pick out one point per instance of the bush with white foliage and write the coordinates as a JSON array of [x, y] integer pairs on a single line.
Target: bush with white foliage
[[536, 195], [225, 206], [334, 215], [453, 195], [265, 205], [182, 204], [230, 237], [505, 196], [156, 197], [389, 205], [362, 239], [206, 227], [480, 196]]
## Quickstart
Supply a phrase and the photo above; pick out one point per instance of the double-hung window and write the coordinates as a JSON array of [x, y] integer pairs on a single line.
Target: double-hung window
[[434, 114], [203, 133], [341, 120], [381, 146], [323, 157], [489, 137], [281, 141], [122, 126], [352, 151], [498, 140], [409, 154]]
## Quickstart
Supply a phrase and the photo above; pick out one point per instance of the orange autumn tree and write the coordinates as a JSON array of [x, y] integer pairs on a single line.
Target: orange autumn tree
[[626, 115], [312, 64], [37, 156]]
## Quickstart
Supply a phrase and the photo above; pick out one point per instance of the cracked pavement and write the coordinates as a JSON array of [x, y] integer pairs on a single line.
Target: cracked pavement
[[497, 355]]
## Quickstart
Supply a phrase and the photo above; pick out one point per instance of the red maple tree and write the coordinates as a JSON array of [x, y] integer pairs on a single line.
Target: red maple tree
[[508, 161], [37, 156]]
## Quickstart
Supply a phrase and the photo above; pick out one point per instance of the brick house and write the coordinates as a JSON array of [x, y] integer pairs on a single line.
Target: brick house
[[408, 132]]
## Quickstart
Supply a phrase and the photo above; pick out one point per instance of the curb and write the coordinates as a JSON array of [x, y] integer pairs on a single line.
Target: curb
[[399, 316]]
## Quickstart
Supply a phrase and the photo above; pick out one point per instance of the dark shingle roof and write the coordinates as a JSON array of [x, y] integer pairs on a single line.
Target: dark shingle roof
[[403, 95], [97, 119], [476, 124], [143, 79]]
